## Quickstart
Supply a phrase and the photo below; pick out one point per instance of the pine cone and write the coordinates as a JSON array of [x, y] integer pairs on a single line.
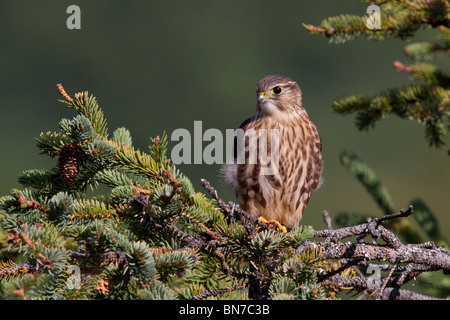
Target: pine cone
[[69, 156], [139, 202]]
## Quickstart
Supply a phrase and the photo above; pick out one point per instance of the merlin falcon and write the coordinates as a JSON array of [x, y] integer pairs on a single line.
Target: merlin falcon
[[276, 191]]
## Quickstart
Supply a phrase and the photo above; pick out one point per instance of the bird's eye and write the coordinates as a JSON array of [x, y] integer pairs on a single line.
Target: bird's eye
[[277, 90]]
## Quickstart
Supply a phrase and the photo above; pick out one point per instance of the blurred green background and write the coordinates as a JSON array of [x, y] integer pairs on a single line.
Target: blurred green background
[[160, 65]]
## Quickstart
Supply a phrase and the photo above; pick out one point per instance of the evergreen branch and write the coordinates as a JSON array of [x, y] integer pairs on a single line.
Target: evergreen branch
[[421, 50], [158, 149], [88, 174], [172, 261], [25, 202], [88, 107], [208, 231], [91, 209], [402, 18], [79, 128], [43, 180], [157, 291], [10, 270], [123, 136], [427, 103], [113, 178], [51, 143], [41, 258], [141, 190], [215, 292], [136, 161], [176, 187], [369, 179], [347, 27], [426, 73], [427, 220]]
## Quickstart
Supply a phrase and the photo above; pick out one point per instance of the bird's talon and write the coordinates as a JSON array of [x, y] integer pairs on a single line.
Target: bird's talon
[[273, 223]]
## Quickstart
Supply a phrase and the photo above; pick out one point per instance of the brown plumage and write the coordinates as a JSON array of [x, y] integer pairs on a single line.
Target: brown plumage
[[280, 189]]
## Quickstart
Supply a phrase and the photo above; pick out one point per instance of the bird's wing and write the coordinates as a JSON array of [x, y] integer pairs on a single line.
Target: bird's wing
[[320, 138], [243, 126]]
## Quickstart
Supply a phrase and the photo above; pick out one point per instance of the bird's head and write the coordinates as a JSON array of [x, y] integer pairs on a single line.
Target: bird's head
[[279, 97]]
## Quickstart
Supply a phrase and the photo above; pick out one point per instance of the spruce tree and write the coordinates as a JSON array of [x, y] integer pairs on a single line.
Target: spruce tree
[[150, 236]]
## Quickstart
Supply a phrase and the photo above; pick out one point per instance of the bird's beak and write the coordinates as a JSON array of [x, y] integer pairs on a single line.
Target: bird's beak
[[262, 97]]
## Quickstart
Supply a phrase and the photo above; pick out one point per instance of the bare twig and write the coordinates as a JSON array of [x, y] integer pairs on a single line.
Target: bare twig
[[232, 210], [385, 282], [215, 292], [327, 219], [360, 284]]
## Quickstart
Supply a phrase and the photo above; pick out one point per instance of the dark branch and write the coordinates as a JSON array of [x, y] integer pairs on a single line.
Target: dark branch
[[360, 284], [215, 292]]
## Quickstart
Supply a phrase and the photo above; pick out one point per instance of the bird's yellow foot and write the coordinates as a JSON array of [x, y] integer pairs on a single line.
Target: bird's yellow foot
[[273, 223]]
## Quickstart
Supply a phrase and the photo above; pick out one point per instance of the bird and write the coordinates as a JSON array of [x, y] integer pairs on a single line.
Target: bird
[[276, 191]]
